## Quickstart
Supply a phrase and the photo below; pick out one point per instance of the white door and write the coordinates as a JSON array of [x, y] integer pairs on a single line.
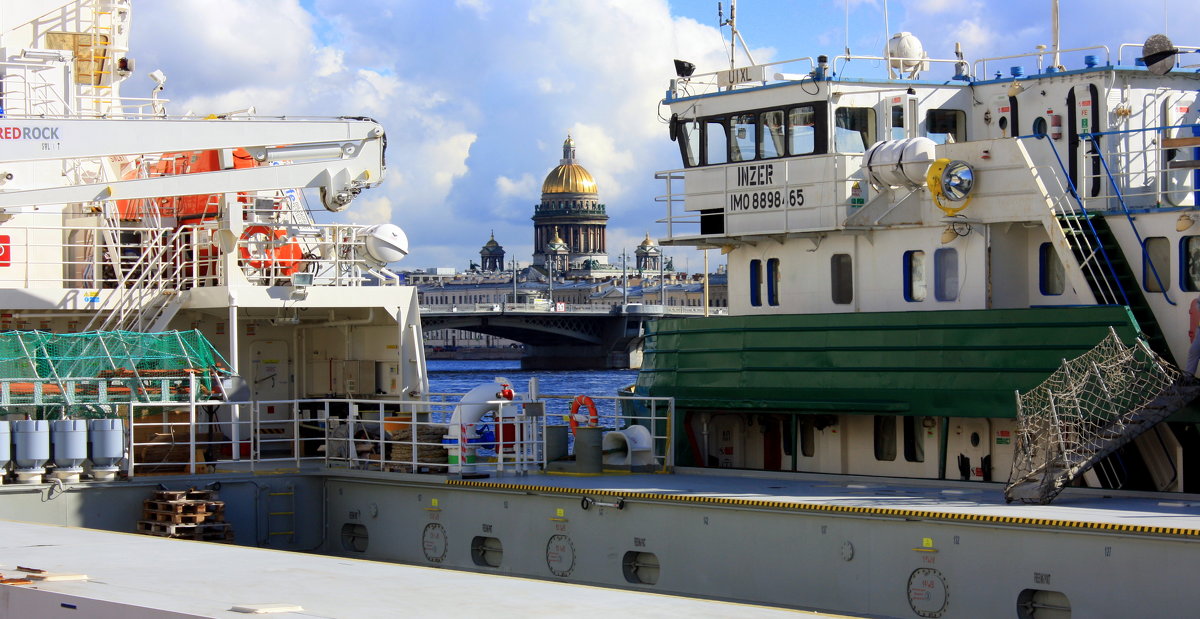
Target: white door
[[969, 450]]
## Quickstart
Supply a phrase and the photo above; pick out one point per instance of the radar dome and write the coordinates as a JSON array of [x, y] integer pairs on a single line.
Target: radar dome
[[906, 46], [385, 243]]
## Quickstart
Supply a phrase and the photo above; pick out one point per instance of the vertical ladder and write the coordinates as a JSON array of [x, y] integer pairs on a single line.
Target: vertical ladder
[[281, 519]]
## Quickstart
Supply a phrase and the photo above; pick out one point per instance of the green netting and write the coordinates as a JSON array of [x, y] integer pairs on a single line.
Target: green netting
[[79, 369]]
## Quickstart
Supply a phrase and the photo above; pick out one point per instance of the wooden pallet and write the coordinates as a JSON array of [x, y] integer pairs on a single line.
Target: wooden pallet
[[209, 532]]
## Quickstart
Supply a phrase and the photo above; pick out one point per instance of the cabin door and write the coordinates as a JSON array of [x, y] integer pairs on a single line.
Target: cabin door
[[997, 118], [1180, 183], [969, 450], [271, 378], [1083, 161]]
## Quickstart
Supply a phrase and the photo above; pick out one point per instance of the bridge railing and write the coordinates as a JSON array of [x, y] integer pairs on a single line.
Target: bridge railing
[[577, 308]]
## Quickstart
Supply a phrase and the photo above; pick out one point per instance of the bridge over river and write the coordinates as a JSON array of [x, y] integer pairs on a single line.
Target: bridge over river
[[568, 337]]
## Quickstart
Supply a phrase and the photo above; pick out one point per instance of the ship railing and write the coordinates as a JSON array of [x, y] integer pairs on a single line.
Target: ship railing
[[388, 436], [1144, 168], [81, 257], [25, 92], [1137, 51], [981, 70]]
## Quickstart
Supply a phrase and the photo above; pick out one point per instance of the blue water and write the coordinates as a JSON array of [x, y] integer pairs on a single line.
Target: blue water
[[451, 376]]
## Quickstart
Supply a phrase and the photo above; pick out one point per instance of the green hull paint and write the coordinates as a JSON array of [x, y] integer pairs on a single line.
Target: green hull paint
[[943, 363]]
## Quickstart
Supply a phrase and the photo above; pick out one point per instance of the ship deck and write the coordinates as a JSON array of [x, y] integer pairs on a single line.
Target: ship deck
[[1176, 515], [140, 576]]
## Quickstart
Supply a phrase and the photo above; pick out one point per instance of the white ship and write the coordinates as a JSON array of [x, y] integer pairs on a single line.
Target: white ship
[[936, 286]]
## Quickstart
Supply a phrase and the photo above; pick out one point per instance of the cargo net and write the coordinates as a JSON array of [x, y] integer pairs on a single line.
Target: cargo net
[[76, 374], [1087, 409]]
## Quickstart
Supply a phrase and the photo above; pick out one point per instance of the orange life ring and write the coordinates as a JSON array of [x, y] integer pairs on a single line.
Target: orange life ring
[[278, 252], [592, 418]]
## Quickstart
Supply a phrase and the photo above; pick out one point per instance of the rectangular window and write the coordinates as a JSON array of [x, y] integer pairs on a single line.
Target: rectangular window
[[914, 276], [716, 147], [743, 130], [1051, 275], [914, 439], [885, 438], [756, 283], [854, 129], [773, 282], [1156, 261], [802, 130], [842, 277], [898, 122], [770, 134], [1189, 253], [945, 274], [946, 126], [689, 141]]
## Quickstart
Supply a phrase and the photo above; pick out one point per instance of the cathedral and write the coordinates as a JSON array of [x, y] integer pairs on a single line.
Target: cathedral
[[569, 224]]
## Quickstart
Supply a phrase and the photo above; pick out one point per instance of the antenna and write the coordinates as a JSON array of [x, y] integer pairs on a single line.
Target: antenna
[[887, 36], [1054, 41], [735, 37]]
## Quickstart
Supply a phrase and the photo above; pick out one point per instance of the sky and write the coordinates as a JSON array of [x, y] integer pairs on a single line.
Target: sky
[[477, 96]]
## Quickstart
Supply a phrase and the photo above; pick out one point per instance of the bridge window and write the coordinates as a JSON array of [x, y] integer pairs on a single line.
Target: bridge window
[[771, 142], [688, 133], [743, 129], [802, 130], [773, 282], [914, 276], [1051, 274], [946, 126], [842, 277], [945, 274], [1189, 253], [854, 129], [756, 283], [716, 141], [1155, 264]]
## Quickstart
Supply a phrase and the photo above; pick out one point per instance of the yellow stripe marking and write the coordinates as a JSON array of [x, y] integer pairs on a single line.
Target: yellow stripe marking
[[841, 509]]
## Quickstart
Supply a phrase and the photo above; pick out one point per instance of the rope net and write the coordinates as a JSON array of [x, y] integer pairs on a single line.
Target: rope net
[[78, 370], [1086, 409]]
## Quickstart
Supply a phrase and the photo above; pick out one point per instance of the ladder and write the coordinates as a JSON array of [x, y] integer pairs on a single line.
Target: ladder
[[281, 515]]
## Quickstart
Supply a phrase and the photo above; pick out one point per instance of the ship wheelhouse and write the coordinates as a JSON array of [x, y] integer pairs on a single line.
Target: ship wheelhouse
[[906, 254]]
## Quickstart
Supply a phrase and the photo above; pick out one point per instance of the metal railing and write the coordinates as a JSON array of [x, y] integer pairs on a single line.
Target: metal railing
[[214, 436]]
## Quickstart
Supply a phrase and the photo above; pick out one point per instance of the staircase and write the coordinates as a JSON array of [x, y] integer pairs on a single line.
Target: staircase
[[147, 296], [1109, 275]]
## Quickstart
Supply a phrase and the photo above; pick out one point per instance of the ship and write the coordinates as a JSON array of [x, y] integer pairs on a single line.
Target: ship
[[952, 381]]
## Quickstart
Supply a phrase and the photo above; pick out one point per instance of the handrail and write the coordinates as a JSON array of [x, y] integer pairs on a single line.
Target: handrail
[[1083, 209]]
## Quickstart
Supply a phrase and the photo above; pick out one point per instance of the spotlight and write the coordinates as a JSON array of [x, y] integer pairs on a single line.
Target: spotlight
[[1184, 222], [684, 68], [951, 180]]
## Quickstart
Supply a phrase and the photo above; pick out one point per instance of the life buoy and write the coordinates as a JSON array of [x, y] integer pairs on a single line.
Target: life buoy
[[574, 418], [275, 251]]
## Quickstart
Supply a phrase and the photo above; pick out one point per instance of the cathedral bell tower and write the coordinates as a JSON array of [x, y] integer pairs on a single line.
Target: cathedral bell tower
[[570, 212]]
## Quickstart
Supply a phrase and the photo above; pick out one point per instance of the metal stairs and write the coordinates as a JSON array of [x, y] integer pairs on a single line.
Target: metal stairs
[[1059, 469], [1109, 275], [147, 296]]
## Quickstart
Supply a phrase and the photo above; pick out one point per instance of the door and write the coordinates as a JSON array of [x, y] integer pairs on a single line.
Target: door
[[271, 378], [1179, 179], [969, 450]]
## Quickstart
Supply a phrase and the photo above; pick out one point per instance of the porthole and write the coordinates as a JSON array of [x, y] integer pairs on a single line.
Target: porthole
[[1042, 604], [354, 537], [640, 568], [1039, 126], [486, 551]]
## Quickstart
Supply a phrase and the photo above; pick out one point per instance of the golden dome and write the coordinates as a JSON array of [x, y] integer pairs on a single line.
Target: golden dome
[[569, 177], [647, 242]]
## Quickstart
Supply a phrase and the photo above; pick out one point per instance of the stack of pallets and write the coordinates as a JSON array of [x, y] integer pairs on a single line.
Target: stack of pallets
[[185, 514]]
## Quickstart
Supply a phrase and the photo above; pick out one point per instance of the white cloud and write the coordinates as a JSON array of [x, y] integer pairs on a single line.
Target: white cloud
[[372, 208], [523, 187], [329, 60]]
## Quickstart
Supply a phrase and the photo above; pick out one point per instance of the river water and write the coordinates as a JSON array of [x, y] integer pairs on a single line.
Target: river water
[[453, 376]]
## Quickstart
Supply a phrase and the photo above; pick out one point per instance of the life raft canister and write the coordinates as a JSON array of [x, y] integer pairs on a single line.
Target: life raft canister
[[277, 251], [574, 418]]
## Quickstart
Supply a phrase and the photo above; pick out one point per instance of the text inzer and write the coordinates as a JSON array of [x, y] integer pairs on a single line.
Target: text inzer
[[752, 175], [29, 133]]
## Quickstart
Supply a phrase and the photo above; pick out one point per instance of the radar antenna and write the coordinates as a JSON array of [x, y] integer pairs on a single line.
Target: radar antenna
[[735, 37]]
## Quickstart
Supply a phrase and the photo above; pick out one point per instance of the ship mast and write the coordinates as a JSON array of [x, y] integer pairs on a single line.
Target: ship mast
[[735, 37]]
